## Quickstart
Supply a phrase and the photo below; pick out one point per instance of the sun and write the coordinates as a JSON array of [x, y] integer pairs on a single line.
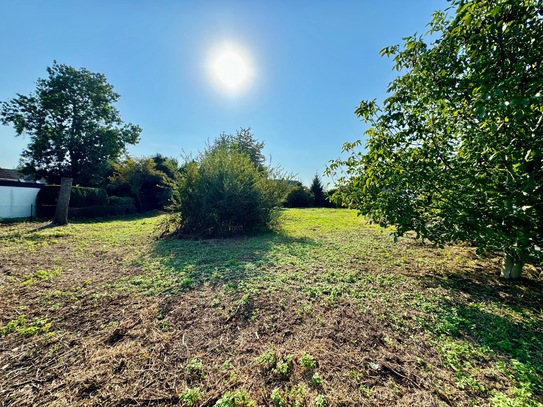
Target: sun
[[230, 67]]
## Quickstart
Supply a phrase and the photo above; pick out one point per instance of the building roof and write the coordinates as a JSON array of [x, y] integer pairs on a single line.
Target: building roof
[[15, 175]]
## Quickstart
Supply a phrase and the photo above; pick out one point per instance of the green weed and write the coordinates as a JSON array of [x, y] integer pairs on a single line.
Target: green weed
[[189, 397], [25, 328], [308, 361], [237, 398]]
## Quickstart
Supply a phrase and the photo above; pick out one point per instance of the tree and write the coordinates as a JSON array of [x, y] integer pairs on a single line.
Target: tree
[[245, 143], [74, 128], [298, 196], [222, 193], [455, 152], [63, 202], [137, 174], [319, 200]]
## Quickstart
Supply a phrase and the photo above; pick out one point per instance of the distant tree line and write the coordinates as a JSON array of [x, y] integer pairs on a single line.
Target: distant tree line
[[300, 196], [76, 132]]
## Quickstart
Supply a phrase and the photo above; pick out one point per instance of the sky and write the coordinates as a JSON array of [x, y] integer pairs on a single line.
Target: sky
[[307, 66]]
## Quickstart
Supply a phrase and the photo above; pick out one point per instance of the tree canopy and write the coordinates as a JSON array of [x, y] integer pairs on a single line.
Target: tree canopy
[[317, 189], [244, 143], [149, 180], [74, 128], [455, 152]]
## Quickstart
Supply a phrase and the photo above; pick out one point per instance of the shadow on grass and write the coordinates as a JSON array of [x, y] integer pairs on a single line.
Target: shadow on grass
[[503, 318], [230, 261]]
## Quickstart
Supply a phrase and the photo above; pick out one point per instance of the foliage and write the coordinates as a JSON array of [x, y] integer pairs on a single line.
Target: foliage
[[80, 196], [189, 397], [455, 153], [120, 200], [141, 178], [223, 194], [298, 197], [333, 199], [25, 328], [317, 190], [308, 361], [244, 143], [237, 398], [74, 128]]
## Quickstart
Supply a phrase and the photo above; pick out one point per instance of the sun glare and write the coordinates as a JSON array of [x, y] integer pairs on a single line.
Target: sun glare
[[230, 68]]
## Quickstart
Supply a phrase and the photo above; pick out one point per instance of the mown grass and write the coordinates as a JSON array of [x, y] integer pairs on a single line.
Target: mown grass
[[442, 323]]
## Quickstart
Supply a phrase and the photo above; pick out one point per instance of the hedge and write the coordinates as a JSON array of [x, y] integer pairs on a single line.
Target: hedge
[[80, 196]]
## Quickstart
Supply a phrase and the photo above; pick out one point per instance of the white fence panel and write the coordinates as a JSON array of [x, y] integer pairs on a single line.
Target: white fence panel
[[17, 202]]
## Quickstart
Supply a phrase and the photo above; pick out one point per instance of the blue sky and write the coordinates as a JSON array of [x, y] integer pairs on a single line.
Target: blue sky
[[313, 62]]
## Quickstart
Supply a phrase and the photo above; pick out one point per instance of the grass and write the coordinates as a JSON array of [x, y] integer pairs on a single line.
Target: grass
[[324, 311]]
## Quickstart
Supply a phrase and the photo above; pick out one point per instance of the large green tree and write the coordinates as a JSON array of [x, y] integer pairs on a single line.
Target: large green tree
[[74, 128], [455, 152], [148, 179]]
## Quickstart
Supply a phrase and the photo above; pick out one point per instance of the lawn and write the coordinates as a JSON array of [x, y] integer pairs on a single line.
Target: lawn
[[324, 311]]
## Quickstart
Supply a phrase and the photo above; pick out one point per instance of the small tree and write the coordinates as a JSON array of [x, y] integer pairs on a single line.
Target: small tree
[[73, 126], [319, 199], [298, 197], [135, 173], [455, 152], [222, 193]]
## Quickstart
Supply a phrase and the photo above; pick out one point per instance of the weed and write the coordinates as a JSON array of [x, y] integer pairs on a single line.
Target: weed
[[365, 390], [42, 275], [320, 401], [316, 380], [189, 397], [308, 361], [237, 398], [25, 328], [276, 398], [195, 369]]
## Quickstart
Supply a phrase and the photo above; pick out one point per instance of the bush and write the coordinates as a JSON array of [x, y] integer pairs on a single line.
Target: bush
[[121, 200], [80, 197], [223, 194], [298, 197]]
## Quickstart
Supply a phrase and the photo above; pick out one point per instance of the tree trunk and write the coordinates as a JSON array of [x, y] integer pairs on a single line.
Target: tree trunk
[[61, 213], [512, 267]]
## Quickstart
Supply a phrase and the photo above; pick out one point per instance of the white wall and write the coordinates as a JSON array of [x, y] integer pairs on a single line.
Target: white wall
[[17, 202]]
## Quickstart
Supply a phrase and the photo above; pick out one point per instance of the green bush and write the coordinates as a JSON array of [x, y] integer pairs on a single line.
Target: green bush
[[223, 194], [121, 200], [298, 197], [80, 197]]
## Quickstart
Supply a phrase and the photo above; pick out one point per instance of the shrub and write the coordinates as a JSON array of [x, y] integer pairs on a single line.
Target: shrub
[[223, 194], [121, 200], [298, 197], [80, 197]]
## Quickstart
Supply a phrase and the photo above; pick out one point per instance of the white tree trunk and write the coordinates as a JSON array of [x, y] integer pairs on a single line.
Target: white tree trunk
[[512, 267]]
